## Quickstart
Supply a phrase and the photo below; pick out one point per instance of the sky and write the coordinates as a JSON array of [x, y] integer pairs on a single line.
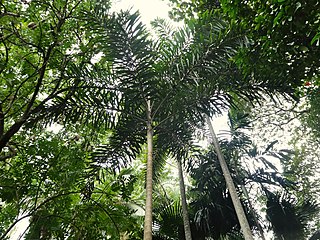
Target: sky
[[149, 9]]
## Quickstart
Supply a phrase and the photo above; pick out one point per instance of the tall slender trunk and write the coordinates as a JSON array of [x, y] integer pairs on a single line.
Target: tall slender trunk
[[185, 215], [254, 215], [231, 187], [244, 190], [148, 209], [246, 194]]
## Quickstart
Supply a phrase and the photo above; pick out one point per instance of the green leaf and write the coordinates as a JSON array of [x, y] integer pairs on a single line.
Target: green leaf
[[315, 38], [304, 48]]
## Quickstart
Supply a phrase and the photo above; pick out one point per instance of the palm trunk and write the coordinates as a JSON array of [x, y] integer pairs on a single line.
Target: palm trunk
[[231, 187], [148, 208], [185, 215], [244, 190]]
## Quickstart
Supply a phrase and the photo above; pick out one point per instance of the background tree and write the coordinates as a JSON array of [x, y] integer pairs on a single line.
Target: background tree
[[42, 45], [284, 36], [50, 183]]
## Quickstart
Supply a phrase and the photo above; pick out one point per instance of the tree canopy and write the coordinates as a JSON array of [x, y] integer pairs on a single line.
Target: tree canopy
[[94, 110]]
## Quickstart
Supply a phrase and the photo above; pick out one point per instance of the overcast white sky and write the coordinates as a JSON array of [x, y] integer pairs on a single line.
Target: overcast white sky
[[149, 9]]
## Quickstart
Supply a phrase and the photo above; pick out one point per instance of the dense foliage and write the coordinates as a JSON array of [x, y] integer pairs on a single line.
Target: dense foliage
[[284, 35], [94, 112]]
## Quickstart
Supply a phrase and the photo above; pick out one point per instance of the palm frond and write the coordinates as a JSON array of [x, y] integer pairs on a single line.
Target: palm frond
[[89, 97], [124, 144], [128, 47], [287, 216], [168, 221], [262, 177]]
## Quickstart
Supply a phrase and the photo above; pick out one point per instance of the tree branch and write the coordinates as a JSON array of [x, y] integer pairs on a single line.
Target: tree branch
[[9, 14], [4, 139], [108, 214], [1, 121]]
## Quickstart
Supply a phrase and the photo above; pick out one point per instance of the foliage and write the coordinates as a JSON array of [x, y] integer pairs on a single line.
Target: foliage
[[75, 63], [184, 10], [43, 47], [288, 217], [214, 214], [286, 123], [311, 118], [254, 170], [49, 182], [285, 32], [168, 221], [284, 35]]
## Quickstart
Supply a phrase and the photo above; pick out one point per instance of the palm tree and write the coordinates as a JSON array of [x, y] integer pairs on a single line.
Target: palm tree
[[178, 140], [212, 206], [232, 189], [185, 213]]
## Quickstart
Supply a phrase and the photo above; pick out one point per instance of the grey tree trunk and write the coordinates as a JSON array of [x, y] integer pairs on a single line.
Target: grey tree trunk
[[230, 185], [244, 190], [147, 235], [185, 215]]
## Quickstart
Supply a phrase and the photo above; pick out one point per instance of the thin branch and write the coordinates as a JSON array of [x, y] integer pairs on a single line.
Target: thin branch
[[108, 214], [54, 9], [14, 97], [48, 216], [9, 14], [5, 157], [1, 121], [72, 9], [12, 153], [6, 57], [17, 34]]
